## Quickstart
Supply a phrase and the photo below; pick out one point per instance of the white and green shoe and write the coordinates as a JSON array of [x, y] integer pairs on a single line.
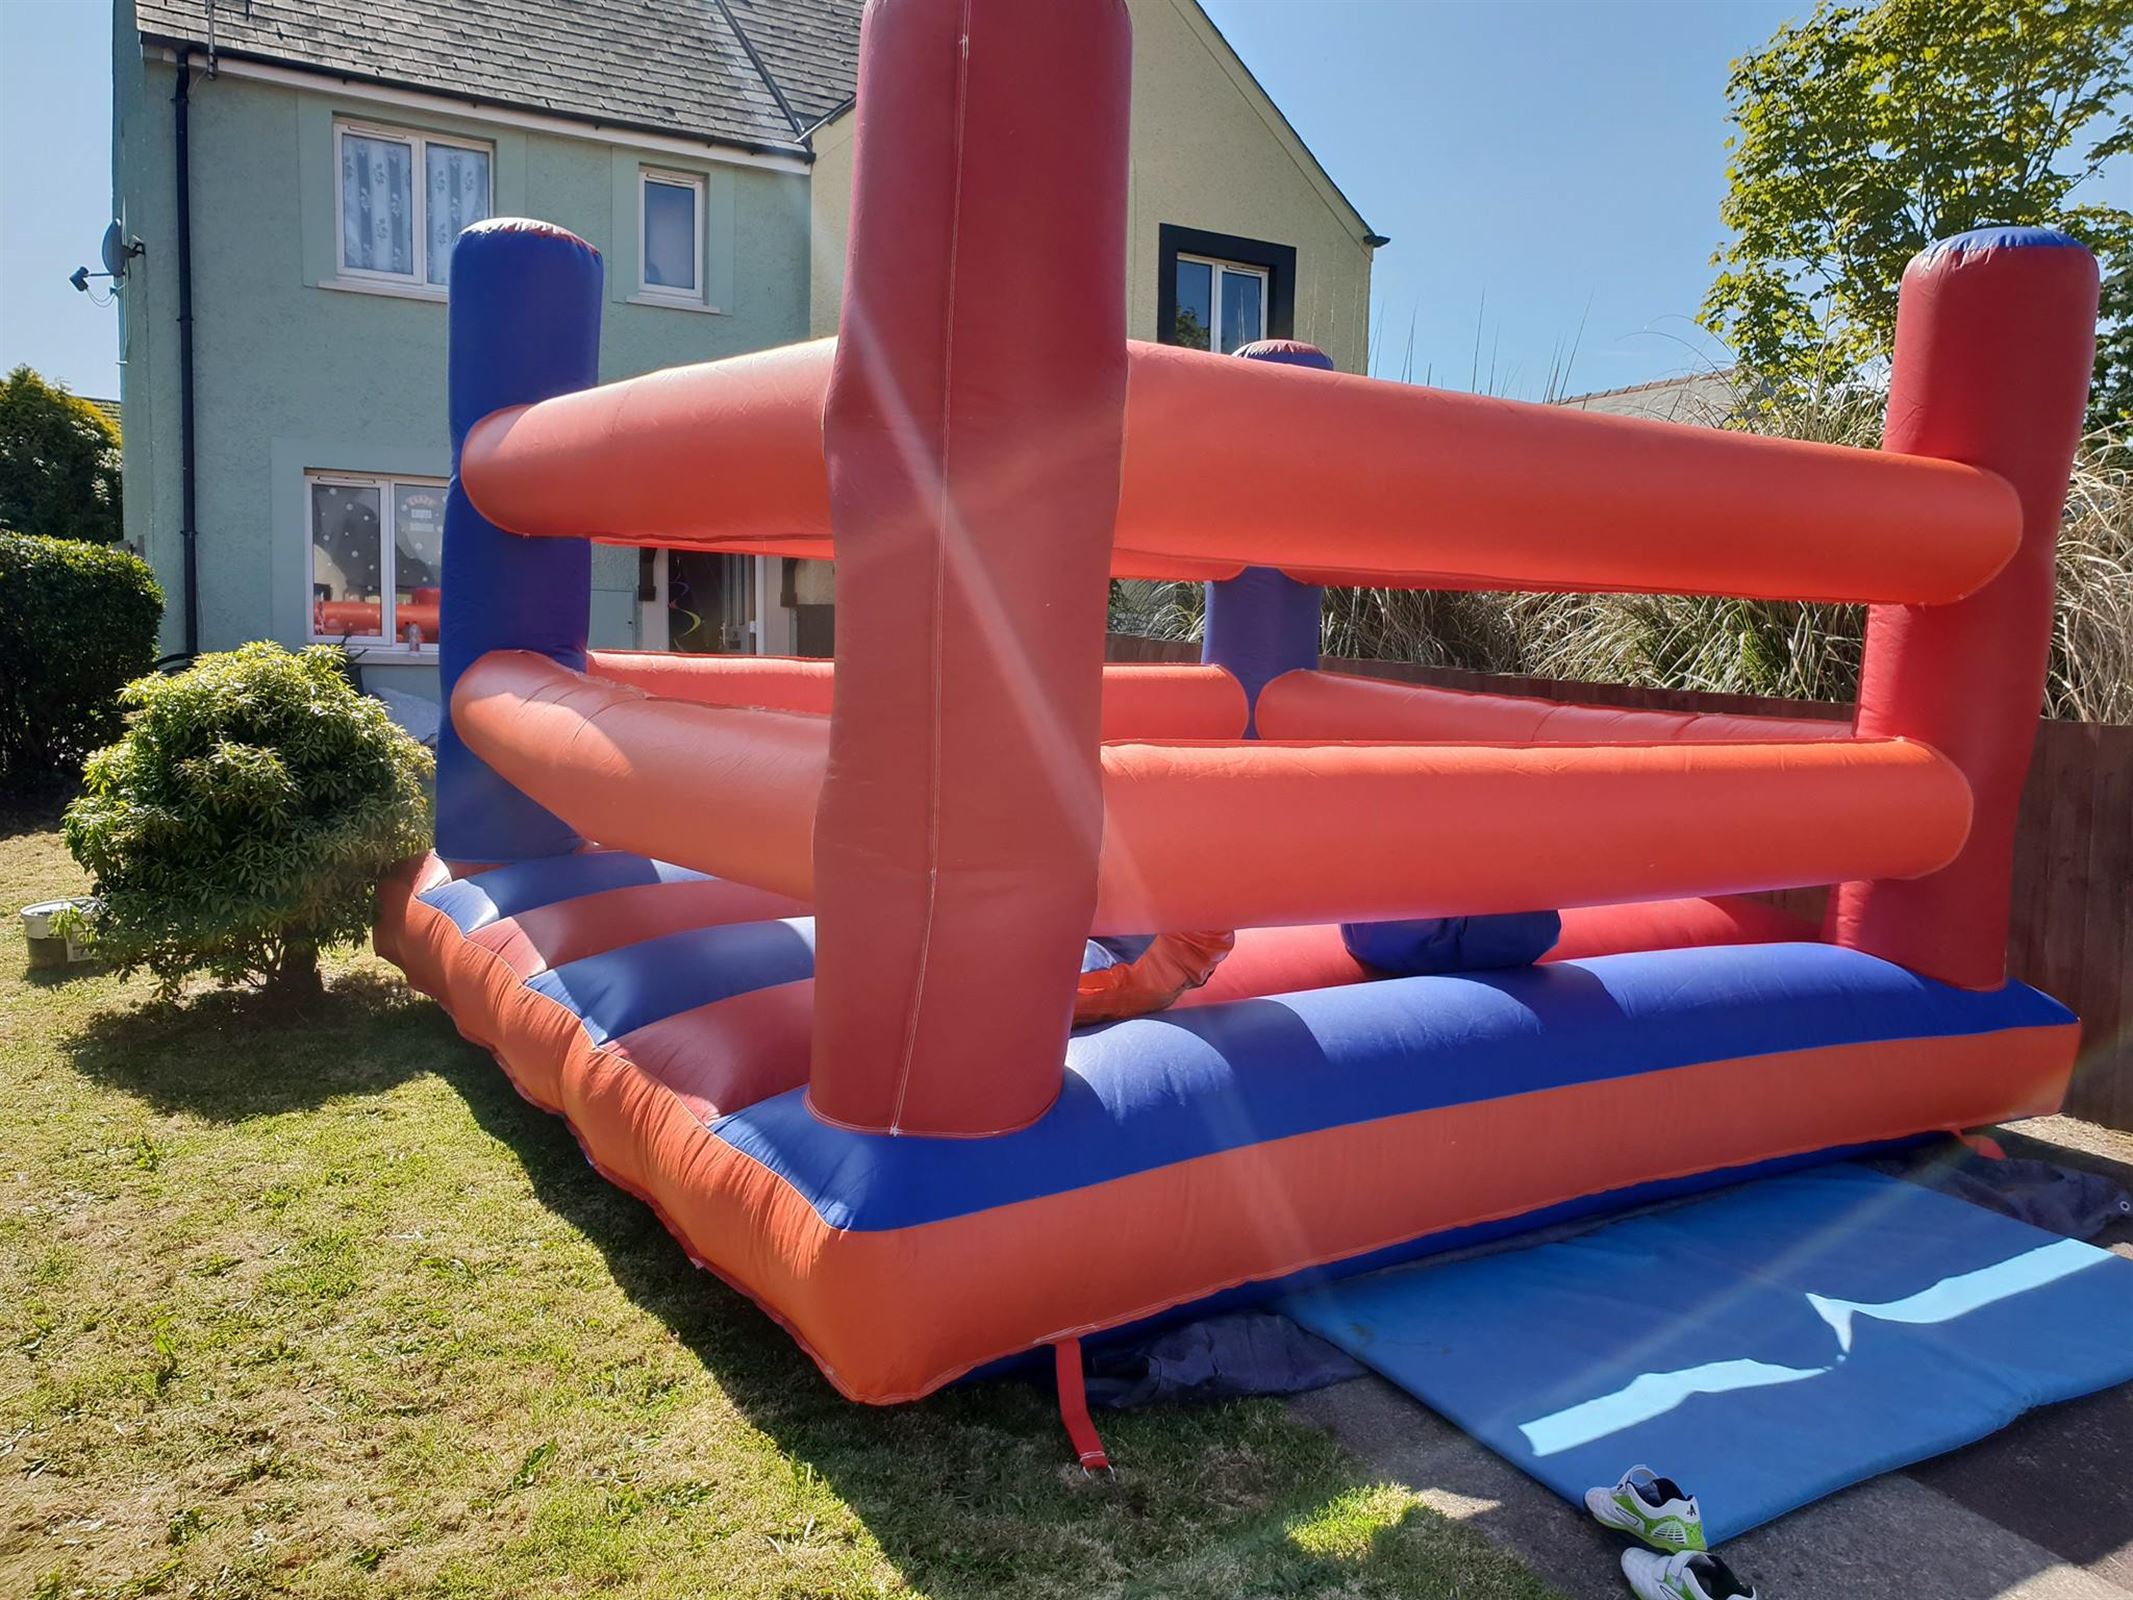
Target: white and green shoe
[[1684, 1575], [1651, 1508]]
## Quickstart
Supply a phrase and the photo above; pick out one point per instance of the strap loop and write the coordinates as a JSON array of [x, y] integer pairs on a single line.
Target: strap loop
[[1074, 1407]]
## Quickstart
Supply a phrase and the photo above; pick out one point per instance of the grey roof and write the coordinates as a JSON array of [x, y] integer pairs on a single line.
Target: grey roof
[[722, 70], [810, 48], [756, 73], [1704, 398]]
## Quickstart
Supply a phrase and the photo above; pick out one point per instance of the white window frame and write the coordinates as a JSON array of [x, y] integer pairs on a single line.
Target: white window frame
[[388, 559], [667, 294], [419, 181], [1237, 268]]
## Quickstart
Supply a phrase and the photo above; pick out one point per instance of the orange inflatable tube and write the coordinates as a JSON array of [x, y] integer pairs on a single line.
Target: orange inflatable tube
[[768, 683], [1332, 705], [1213, 836], [1373, 478], [732, 791], [1199, 836], [1142, 700]]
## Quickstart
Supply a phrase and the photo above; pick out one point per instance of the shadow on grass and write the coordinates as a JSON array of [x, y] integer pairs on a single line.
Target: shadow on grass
[[36, 812], [60, 977], [972, 1493], [207, 1055]]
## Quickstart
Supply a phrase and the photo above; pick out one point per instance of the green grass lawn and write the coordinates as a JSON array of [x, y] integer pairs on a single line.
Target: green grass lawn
[[325, 1309]]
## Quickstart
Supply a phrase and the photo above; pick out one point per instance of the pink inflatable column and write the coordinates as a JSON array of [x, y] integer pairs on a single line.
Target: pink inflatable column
[[973, 430], [1995, 338]]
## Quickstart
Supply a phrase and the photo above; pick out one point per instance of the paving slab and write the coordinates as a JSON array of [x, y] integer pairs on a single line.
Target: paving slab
[[1893, 1536]]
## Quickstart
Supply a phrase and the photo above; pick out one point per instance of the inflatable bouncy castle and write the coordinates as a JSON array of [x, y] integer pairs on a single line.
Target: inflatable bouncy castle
[[794, 945]]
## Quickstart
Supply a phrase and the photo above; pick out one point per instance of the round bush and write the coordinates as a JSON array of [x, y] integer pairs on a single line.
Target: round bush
[[245, 818], [77, 621]]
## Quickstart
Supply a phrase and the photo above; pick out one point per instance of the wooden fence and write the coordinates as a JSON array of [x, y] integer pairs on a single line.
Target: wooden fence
[[2072, 933]]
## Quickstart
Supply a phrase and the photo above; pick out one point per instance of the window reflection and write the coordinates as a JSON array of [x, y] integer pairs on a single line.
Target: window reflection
[[1196, 305], [347, 597], [669, 235], [418, 559], [1243, 310]]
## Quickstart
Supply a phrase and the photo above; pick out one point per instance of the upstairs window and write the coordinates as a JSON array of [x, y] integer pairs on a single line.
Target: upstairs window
[[1221, 304], [671, 205], [1219, 292], [404, 199], [377, 558]]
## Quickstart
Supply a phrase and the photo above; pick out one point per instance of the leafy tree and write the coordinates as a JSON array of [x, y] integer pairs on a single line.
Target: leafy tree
[[1868, 131], [59, 462], [244, 820]]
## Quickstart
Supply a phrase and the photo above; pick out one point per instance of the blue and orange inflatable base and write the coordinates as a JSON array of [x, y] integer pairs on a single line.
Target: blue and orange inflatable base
[[1237, 1141]]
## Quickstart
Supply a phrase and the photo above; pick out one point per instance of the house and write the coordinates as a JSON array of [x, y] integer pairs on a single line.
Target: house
[[1703, 399], [297, 170]]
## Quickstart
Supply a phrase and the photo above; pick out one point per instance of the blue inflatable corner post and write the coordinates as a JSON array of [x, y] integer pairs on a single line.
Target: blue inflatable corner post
[[1262, 622], [525, 326]]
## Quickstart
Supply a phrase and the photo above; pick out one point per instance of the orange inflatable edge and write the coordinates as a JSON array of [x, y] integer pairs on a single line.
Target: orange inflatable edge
[[488, 1004]]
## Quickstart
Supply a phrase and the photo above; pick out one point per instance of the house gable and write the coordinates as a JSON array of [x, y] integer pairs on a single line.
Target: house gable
[[1202, 26], [1212, 157]]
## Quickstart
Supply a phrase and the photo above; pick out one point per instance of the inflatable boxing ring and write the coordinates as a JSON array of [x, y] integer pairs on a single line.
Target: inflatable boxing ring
[[794, 945]]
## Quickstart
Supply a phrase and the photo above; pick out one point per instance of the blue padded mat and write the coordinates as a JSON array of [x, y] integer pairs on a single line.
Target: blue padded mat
[[1764, 1347]]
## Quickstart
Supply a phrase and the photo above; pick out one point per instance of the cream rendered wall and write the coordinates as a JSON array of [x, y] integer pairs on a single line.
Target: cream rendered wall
[[829, 215], [1209, 151]]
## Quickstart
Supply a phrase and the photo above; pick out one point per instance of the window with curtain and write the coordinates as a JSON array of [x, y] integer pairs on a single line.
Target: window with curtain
[[458, 178], [672, 205], [394, 226]]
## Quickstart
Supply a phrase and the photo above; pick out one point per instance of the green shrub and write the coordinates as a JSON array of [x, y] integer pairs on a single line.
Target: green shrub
[[59, 462], [244, 820], [77, 622]]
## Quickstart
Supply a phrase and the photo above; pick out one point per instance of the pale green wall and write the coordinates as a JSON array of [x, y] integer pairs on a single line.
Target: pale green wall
[[292, 374]]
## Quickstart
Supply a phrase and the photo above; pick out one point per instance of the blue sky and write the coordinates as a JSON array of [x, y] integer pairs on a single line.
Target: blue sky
[[1539, 164]]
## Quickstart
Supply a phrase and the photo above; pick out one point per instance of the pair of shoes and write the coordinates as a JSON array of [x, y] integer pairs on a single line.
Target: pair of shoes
[[1659, 1512], [1684, 1575], [1650, 1508]]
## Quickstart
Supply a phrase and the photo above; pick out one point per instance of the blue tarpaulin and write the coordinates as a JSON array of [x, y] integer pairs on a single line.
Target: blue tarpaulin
[[1763, 1347]]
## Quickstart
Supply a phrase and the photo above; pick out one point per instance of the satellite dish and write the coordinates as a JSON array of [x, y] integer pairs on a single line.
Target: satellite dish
[[115, 251]]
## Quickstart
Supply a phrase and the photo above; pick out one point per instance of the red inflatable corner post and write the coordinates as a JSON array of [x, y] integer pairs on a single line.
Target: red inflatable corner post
[[1995, 339], [973, 431]]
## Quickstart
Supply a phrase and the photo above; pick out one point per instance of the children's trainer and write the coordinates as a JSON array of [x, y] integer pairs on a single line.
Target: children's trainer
[[1684, 1575], [1651, 1508]]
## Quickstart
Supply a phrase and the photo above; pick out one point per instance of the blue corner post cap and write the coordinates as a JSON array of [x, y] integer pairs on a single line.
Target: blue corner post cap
[[524, 326], [1287, 353], [525, 318], [2005, 236]]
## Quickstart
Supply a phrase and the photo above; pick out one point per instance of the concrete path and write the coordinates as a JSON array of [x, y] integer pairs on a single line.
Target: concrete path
[[2042, 1510]]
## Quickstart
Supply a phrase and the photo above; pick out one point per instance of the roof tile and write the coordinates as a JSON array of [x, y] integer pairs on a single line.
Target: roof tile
[[673, 65]]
